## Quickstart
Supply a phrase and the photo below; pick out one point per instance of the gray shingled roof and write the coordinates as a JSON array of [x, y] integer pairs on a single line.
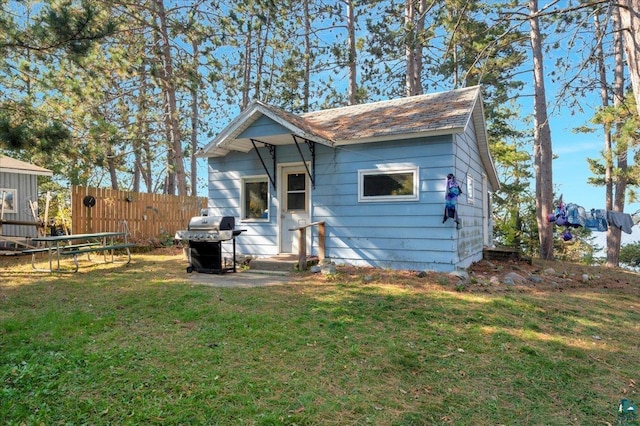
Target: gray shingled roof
[[11, 165], [416, 115], [436, 113]]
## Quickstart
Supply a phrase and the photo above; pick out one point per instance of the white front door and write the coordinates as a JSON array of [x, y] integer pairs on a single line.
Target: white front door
[[294, 206]]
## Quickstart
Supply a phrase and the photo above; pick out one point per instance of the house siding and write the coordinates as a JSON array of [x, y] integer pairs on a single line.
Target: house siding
[[399, 235], [27, 189], [406, 234], [260, 238], [263, 126], [468, 162]]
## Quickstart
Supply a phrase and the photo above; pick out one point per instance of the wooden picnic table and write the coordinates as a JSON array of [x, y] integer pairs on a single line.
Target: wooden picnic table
[[60, 246]]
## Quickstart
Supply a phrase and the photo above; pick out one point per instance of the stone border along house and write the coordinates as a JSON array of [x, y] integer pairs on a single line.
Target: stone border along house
[[19, 184], [375, 173]]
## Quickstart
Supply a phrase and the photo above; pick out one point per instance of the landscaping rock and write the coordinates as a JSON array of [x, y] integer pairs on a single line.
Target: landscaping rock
[[328, 269], [514, 278], [461, 275], [489, 264]]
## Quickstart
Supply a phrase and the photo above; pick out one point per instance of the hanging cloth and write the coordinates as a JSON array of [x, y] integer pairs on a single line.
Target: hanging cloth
[[453, 191], [576, 215], [597, 220], [620, 220]]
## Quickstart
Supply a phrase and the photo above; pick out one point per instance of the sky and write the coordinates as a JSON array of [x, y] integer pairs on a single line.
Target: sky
[[570, 168]]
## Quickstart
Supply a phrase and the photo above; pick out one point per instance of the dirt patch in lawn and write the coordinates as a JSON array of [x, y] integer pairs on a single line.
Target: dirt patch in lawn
[[498, 277]]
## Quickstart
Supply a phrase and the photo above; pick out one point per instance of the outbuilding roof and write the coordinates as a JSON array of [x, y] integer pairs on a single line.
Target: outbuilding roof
[[415, 116], [403, 118], [11, 165]]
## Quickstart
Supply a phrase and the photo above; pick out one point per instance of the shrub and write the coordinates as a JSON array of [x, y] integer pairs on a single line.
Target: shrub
[[630, 254]]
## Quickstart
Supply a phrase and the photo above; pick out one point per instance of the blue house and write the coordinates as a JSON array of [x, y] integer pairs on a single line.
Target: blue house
[[375, 174]]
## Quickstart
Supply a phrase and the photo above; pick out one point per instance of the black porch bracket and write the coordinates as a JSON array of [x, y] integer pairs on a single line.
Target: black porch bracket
[[312, 149], [272, 152]]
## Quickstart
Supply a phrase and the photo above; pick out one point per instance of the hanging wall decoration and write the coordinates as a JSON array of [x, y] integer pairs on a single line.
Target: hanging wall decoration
[[453, 191], [89, 201]]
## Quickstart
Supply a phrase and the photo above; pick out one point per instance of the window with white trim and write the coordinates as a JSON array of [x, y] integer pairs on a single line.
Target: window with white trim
[[255, 199], [388, 184], [470, 199]]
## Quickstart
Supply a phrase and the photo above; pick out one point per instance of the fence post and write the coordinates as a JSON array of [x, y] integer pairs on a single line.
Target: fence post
[[302, 249], [321, 240]]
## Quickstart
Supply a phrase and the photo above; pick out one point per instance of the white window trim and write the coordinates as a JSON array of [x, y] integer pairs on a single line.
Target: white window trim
[[388, 198], [251, 179], [14, 195], [470, 189]]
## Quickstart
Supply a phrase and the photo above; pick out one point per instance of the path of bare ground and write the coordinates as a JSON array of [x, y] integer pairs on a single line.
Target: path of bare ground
[[501, 276], [540, 275]]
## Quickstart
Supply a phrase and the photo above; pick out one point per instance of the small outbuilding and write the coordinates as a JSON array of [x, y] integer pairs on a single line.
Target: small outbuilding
[[400, 184], [19, 199]]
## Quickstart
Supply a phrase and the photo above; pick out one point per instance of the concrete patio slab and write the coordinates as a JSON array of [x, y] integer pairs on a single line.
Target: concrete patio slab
[[240, 279]]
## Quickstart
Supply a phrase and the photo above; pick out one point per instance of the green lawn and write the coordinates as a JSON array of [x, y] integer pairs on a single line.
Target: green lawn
[[140, 344]]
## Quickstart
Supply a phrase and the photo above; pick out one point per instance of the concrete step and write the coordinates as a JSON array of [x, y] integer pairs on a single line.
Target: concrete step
[[283, 263]]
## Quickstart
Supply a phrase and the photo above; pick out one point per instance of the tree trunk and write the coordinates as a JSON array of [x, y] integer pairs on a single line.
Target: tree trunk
[[351, 31], [195, 88], [112, 170], [414, 26], [614, 235], [246, 78], [604, 97], [629, 11], [306, 85], [261, 48], [141, 138], [542, 150], [176, 159]]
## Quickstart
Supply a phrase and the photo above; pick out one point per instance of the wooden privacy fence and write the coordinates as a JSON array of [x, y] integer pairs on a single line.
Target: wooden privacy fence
[[150, 218]]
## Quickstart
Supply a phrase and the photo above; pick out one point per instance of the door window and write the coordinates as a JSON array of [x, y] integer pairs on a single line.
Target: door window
[[296, 192]]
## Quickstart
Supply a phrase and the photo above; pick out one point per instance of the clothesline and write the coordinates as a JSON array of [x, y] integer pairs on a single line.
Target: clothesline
[[597, 220]]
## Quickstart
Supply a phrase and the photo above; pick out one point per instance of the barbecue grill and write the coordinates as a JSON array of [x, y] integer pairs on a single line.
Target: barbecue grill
[[204, 236]]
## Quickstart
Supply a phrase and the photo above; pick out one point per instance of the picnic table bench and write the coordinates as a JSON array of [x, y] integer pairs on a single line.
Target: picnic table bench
[[58, 246]]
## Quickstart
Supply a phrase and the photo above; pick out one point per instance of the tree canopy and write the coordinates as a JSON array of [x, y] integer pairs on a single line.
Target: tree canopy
[[122, 93]]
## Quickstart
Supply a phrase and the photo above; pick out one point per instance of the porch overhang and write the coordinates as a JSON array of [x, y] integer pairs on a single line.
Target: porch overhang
[[271, 172]]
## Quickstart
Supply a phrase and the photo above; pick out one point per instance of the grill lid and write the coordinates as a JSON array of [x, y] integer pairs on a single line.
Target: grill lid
[[211, 223], [208, 228]]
